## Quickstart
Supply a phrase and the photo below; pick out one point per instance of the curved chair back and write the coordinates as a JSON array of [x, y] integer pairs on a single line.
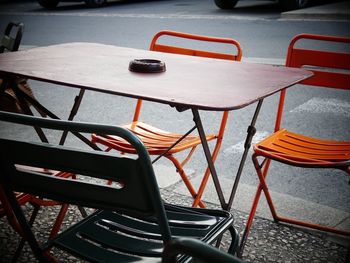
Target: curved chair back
[[136, 191], [331, 68], [12, 37]]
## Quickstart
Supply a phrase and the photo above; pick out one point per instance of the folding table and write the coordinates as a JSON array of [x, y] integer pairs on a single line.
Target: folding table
[[189, 83]]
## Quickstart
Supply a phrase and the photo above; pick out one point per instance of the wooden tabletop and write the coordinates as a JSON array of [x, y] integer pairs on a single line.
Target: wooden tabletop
[[190, 82]]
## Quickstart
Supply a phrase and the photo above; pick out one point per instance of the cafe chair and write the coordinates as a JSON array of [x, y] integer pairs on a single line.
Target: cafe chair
[[331, 70], [199, 252], [131, 222], [158, 141], [12, 37]]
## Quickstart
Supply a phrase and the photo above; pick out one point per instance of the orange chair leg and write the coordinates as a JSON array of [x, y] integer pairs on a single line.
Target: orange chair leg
[[263, 187], [292, 221], [59, 219], [188, 157], [249, 221], [184, 178], [256, 202], [262, 175]]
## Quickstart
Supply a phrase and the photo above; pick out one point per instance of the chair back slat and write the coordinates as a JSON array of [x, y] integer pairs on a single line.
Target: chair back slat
[[301, 57], [192, 52], [326, 79], [124, 171], [331, 69], [155, 46]]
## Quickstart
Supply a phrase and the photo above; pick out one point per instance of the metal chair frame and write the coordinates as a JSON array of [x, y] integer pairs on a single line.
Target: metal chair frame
[[331, 70], [131, 222]]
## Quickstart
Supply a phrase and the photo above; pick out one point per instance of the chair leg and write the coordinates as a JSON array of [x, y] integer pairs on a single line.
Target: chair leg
[[256, 200], [59, 219], [188, 157], [25, 227], [82, 211], [249, 221], [22, 242], [262, 175], [276, 217], [185, 178], [234, 240], [292, 221]]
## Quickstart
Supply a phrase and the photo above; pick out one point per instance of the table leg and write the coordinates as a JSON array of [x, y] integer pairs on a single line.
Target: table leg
[[199, 125], [23, 96], [74, 110], [250, 133], [25, 108]]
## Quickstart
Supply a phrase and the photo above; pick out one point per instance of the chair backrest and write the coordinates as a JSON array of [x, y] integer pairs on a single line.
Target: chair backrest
[[235, 54], [136, 192], [12, 37], [331, 68]]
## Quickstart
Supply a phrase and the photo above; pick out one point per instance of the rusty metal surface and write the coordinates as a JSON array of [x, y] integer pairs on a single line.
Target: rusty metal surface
[[190, 82]]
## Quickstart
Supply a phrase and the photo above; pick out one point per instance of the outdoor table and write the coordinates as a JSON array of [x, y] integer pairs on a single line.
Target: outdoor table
[[189, 83]]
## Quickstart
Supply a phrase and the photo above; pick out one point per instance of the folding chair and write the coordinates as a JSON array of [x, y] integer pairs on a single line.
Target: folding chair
[[12, 37], [8, 101], [165, 143], [331, 70], [197, 250], [132, 222]]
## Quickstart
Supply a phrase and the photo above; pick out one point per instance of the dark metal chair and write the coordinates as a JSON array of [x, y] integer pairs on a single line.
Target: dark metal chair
[[331, 70], [12, 37], [131, 223]]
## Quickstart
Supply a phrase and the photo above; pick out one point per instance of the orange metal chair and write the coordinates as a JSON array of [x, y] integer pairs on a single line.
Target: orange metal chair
[[331, 70], [158, 141]]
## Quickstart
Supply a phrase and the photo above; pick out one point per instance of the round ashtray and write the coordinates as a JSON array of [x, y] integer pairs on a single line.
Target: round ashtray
[[147, 66]]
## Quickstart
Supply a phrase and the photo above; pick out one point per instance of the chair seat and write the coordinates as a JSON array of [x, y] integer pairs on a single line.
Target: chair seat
[[155, 139], [108, 236], [293, 148]]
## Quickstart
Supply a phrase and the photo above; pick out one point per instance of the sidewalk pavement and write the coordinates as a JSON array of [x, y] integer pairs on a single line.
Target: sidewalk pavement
[[268, 241]]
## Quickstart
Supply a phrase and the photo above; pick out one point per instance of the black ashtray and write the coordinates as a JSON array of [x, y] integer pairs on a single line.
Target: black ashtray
[[146, 66]]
